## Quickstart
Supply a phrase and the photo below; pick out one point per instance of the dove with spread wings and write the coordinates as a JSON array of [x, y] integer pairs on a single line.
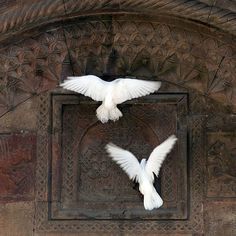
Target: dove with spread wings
[[110, 93], [143, 172]]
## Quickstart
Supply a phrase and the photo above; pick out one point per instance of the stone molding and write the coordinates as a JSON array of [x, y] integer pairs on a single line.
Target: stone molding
[[20, 17]]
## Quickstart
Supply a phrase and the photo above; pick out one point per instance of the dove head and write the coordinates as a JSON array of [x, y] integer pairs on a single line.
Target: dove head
[[143, 163], [107, 77]]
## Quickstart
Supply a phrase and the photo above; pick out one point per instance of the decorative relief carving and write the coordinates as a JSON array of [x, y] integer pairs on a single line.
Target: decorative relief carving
[[119, 47], [197, 146], [23, 16], [199, 63], [42, 147], [217, 223], [221, 164], [174, 55], [100, 183], [166, 116], [193, 224], [69, 165], [17, 157], [29, 68]]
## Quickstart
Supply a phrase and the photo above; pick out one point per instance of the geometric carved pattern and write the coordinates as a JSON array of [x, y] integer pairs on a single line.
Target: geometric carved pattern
[[121, 46], [221, 164], [42, 147], [17, 159], [21, 17], [92, 186], [193, 222], [197, 126]]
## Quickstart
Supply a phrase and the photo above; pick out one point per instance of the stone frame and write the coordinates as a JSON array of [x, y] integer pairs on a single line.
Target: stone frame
[[193, 222], [63, 181]]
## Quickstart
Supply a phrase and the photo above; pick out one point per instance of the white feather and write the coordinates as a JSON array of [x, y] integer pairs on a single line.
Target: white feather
[[88, 85], [143, 172], [126, 89], [110, 93], [158, 155], [125, 159]]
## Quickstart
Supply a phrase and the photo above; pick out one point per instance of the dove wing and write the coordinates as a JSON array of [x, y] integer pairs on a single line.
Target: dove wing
[[89, 85], [127, 161], [158, 155], [126, 89]]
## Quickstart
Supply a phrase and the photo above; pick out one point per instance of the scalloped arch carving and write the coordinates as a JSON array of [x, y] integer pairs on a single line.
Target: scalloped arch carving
[[121, 46], [36, 13]]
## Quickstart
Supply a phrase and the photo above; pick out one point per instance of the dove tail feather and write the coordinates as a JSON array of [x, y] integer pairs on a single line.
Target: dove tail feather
[[115, 114], [152, 200], [102, 113]]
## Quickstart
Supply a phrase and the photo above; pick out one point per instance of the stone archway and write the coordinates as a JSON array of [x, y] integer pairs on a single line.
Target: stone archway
[[193, 53]]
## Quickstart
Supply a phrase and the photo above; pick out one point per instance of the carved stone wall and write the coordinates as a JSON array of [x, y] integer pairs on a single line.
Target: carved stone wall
[[121, 46], [17, 158], [20, 17], [86, 184], [188, 45], [79, 192], [221, 180]]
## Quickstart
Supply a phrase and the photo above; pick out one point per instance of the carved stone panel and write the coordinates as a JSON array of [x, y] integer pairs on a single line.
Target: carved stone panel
[[167, 48], [17, 159], [220, 218], [62, 167], [87, 184], [221, 164]]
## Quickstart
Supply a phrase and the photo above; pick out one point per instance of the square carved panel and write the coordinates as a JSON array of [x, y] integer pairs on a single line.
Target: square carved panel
[[86, 184]]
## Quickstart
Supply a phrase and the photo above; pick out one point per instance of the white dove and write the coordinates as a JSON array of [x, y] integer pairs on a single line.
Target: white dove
[[110, 93], [143, 172]]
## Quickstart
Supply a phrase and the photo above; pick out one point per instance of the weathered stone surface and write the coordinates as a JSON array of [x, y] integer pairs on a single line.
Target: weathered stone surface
[[17, 165], [21, 118], [91, 184], [224, 4], [220, 218], [15, 19], [174, 51], [16, 219], [189, 45], [221, 164], [81, 234], [105, 234]]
